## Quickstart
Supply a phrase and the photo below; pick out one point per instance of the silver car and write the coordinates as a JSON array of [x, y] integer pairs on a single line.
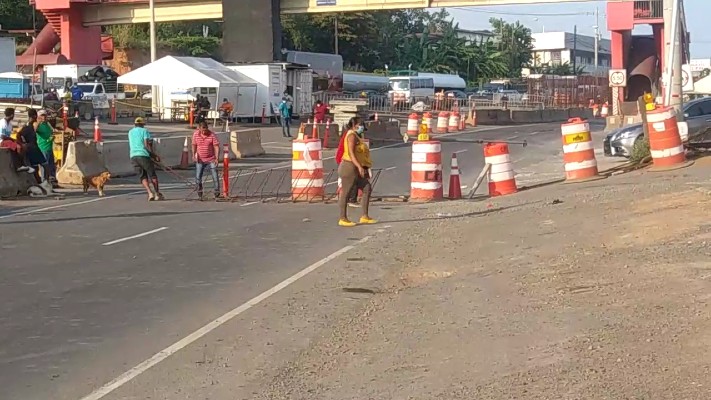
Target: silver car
[[697, 114]]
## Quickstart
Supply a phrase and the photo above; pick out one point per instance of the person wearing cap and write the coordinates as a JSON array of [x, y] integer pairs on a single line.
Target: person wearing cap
[[141, 152], [45, 138], [354, 171]]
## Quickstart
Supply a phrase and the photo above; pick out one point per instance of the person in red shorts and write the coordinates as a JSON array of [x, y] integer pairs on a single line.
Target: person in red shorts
[[206, 149]]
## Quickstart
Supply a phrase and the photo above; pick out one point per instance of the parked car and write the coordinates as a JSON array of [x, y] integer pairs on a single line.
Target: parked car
[[457, 94], [697, 114]]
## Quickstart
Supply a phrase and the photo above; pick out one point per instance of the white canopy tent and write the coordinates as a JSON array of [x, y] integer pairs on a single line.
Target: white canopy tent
[[188, 72]]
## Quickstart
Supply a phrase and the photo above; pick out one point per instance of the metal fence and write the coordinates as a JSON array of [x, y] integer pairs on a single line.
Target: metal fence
[[568, 91], [274, 185]]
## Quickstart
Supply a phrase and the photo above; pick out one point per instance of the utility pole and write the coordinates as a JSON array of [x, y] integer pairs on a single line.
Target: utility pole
[[575, 49], [597, 38], [673, 59], [335, 34], [155, 96]]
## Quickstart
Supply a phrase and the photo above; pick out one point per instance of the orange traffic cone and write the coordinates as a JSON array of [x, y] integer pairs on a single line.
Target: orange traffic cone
[[185, 157], [314, 130], [97, 131], [455, 188]]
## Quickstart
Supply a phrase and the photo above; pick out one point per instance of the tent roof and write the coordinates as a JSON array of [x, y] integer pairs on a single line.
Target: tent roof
[[172, 71]]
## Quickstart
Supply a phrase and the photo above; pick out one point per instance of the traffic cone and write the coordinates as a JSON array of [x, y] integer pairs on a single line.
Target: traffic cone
[[376, 116], [455, 188], [301, 134], [97, 131], [184, 157], [76, 114], [314, 130]]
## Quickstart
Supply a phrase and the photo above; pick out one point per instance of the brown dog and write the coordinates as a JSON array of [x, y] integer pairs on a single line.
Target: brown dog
[[97, 181]]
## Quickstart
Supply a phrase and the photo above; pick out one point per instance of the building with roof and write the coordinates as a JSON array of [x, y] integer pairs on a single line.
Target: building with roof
[[557, 48]]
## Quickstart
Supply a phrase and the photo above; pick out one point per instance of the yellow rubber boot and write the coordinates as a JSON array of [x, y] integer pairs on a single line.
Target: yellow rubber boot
[[367, 220], [346, 223]]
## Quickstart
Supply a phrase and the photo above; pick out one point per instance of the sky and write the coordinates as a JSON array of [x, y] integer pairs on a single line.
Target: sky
[[564, 17]]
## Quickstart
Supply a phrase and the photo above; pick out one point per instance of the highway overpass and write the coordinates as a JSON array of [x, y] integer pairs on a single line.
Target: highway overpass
[[112, 12]]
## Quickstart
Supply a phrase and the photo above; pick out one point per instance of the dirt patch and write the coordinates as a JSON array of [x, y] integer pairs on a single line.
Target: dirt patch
[[659, 218]]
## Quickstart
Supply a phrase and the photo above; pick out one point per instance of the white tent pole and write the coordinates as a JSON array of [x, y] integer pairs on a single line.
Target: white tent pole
[[217, 100]]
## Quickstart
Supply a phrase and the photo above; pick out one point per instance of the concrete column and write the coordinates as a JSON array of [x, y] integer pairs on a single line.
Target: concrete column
[[251, 30], [673, 43], [80, 44], [619, 52]]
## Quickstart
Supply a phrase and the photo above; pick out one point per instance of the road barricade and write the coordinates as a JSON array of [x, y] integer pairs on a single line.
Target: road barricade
[[13, 183], [665, 141], [246, 143], [82, 160], [307, 183], [115, 156], [426, 175], [578, 151], [502, 180]]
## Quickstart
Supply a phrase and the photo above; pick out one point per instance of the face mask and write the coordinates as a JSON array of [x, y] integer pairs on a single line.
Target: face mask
[[360, 130]]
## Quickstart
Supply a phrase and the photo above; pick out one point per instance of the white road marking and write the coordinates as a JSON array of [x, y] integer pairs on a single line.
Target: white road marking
[[389, 168], [250, 203], [214, 324], [140, 235]]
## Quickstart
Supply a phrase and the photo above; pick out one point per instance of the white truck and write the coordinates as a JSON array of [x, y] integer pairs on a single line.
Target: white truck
[[274, 81], [64, 76]]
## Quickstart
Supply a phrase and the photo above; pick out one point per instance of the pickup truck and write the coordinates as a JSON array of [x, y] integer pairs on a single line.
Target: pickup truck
[[94, 90]]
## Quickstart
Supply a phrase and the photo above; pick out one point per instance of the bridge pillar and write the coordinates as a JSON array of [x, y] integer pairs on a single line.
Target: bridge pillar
[[79, 44], [251, 31]]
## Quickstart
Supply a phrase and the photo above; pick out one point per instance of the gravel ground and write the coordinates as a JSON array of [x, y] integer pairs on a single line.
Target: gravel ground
[[584, 291]]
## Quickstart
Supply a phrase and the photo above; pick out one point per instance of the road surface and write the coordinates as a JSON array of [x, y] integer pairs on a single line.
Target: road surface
[[92, 289]]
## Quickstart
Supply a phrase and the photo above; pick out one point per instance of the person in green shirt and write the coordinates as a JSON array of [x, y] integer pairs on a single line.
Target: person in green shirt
[[45, 137]]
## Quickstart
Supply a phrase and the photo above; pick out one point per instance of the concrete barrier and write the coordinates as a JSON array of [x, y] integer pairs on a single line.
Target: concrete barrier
[[526, 117], [170, 149], [115, 157], [82, 160], [246, 143], [503, 117], [383, 132], [13, 183], [584, 113]]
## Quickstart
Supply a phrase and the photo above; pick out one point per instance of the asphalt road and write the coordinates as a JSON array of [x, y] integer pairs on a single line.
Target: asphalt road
[[90, 289]]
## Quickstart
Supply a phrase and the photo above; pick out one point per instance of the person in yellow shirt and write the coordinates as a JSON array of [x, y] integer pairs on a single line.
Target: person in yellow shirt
[[354, 170]]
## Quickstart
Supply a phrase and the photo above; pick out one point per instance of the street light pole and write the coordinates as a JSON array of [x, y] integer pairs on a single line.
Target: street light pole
[[597, 38], [155, 102]]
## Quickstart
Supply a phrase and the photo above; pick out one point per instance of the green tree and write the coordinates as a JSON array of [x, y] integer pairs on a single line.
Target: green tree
[[17, 14], [515, 43]]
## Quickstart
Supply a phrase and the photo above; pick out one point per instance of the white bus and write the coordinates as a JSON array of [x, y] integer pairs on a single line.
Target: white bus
[[410, 88]]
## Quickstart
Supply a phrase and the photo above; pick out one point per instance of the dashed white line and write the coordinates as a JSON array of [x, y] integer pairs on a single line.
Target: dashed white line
[[250, 203], [140, 235], [214, 324]]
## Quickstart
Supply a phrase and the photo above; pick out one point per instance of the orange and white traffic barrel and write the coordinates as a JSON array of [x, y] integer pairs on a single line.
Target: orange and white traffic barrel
[[502, 179], [306, 170], [453, 122], [664, 140], [427, 121], [413, 124], [442, 122], [578, 150], [426, 175]]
